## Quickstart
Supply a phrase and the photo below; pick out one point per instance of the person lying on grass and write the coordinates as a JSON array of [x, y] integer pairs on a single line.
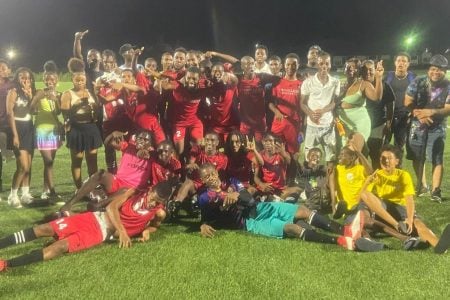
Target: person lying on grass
[[126, 216], [221, 205], [389, 193], [133, 172]]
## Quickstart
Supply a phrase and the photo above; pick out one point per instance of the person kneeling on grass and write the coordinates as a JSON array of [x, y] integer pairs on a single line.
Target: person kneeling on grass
[[389, 193], [233, 204], [126, 216]]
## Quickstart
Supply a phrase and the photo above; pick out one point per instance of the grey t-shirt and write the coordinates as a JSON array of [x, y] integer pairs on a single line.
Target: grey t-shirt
[[399, 87]]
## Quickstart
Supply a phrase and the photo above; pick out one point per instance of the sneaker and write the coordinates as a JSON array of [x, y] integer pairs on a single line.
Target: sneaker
[[346, 242], [45, 196], [55, 198], [353, 230], [172, 208], [436, 195], [14, 201], [341, 208], [411, 243], [424, 191], [26, 199], [3, 265], [444, 241], [367, 245]]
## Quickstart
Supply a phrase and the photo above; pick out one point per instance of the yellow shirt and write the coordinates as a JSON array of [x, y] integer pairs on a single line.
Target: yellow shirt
[[393, 187], [350, 182]]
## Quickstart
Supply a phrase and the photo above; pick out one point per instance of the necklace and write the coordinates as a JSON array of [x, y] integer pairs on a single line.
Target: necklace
[[401, 78]]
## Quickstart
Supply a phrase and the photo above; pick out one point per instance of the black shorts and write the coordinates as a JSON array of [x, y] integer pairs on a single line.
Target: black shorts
[[25, 131]]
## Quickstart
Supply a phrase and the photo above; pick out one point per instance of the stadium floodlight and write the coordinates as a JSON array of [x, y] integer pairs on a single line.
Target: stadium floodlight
[[11, 53]]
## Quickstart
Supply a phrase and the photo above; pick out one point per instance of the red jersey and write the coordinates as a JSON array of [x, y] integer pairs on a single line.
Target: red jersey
[[185, 103], [136, 215], [219, 160], [161, 173], [274, 170], [221, 109], [285, 95], [240, 167], [251, 100], [111, 108]]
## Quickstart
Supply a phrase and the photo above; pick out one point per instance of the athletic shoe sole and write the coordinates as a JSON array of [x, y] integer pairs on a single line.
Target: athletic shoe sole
[[356, 226], [444, 241], [367, 245]]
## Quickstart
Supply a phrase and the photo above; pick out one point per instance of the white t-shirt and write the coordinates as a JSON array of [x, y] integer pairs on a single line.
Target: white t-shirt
[[264, 69], [320, 96]]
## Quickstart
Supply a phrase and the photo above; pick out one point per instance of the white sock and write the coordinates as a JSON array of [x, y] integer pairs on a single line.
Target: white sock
[[14, 192], [25, 190]]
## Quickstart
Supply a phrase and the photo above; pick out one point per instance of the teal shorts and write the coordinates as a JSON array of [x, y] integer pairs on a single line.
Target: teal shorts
[[271, 217]]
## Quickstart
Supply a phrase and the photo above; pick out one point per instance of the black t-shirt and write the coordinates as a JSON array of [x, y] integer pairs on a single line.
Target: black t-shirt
[[378, 109], [399, 87]]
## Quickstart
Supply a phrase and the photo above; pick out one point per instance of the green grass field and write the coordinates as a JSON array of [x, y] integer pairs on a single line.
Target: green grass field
[[178, 263]]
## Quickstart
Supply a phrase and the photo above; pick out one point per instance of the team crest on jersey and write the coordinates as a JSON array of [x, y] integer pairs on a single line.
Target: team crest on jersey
[[350, 176], [138, 206]]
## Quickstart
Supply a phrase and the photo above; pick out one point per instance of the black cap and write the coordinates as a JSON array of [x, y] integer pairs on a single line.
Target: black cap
[[439, 61], [124, 48]]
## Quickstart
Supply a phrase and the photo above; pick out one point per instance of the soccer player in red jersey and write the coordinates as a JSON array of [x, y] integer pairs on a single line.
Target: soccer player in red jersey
[[222, 111], [285, 105], [199, 156], [163, 164], [270, 177], [241, 152], [251, 99], [127, 216], [184, 106]]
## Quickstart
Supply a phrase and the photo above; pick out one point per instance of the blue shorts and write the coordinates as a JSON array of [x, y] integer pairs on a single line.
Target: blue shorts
[[435, 141], [271, 217]]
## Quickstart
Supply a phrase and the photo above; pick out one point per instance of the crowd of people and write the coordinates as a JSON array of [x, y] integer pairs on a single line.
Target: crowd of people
[[209, 133]]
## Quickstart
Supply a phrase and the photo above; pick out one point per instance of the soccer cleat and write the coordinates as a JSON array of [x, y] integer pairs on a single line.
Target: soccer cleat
[[26, 199], [346, 242], [14, 201], [3, 265], [411, 243], [444, 241], [402, 227], [353, 230], [341, 208], [436, 195], [367, 245]]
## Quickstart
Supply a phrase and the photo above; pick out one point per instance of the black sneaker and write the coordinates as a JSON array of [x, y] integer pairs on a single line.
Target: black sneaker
[[341, 208], [444, 241], [436, 195], [411, 243], [367, 245], [172, 208], [424, 191]]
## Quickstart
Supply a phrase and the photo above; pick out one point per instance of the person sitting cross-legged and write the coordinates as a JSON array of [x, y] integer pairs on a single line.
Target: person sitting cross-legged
[[389, 193]]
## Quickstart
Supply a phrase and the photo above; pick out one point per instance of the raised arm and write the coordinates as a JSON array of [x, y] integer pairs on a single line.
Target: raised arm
[[77, 44], [231, 59], [371, 92]]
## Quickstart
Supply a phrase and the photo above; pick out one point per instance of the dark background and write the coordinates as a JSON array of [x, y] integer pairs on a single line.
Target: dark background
[[44, 29]]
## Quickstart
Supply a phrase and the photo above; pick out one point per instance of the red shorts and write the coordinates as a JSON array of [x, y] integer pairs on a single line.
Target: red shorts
[[256, 131], [117, 184], [150, 123], [289, 132], [82, 231], [196, 131]]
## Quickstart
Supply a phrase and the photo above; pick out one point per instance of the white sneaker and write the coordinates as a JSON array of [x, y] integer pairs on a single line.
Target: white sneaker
[[45, 196], [26, 199], [14, 201]]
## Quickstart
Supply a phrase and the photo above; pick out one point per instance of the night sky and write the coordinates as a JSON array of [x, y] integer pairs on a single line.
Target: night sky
[[43, 29]]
